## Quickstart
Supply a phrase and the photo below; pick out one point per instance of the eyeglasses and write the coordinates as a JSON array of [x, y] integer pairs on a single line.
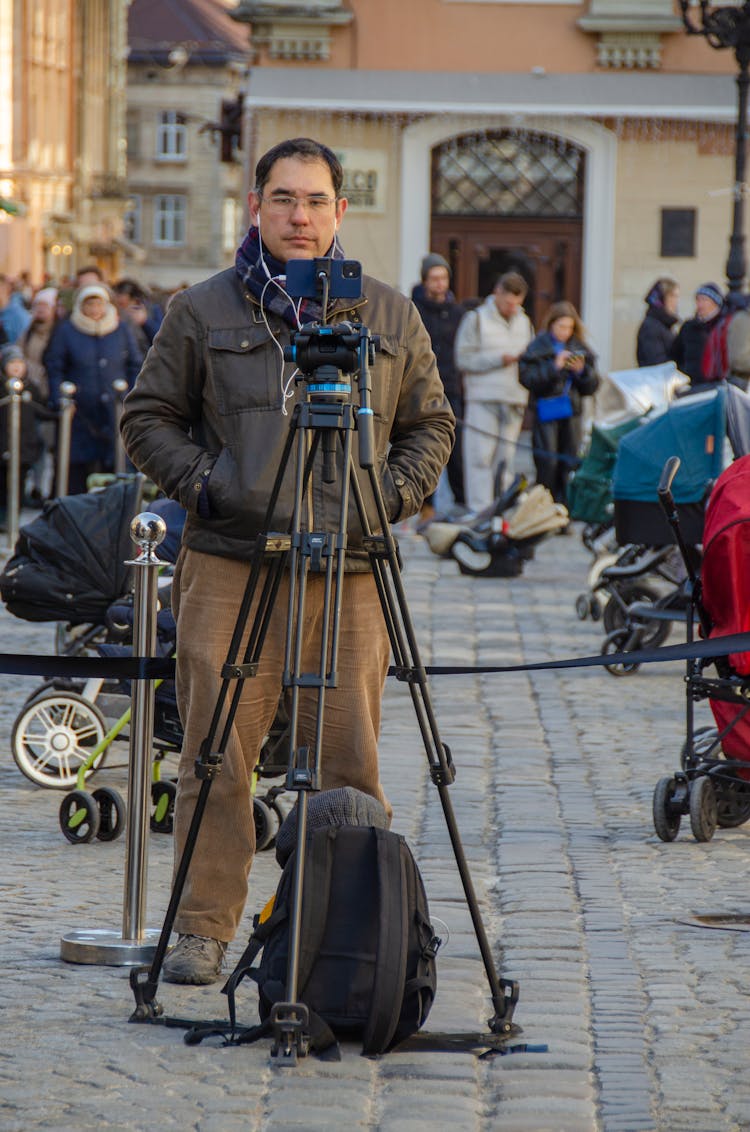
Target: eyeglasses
[[316, 204]]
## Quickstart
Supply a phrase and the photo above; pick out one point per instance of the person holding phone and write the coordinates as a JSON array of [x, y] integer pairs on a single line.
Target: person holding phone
[[559, 369]]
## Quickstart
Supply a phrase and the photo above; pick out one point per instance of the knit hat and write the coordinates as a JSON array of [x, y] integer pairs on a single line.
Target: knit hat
[[433, 260], [45, 295], [11, 354], [713, 292], [90, 291]]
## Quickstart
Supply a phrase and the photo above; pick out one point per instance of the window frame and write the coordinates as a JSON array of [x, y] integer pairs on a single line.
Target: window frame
[[172, 218]]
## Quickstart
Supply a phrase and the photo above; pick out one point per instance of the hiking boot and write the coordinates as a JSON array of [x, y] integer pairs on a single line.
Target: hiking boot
[[194, 959]]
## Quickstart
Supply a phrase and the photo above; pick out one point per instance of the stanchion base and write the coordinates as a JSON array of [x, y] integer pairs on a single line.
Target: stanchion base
[[108, 948]]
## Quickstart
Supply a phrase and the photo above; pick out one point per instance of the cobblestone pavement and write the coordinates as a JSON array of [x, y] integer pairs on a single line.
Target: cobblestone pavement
[[645, 1012]]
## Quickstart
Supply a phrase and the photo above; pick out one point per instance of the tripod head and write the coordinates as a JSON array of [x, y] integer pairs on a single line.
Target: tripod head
[[325, 356]]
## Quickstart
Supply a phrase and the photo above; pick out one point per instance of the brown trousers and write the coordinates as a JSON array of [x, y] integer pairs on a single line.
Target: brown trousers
[[207, 593]]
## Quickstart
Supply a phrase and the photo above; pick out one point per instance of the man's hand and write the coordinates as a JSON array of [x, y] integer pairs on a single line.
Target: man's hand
[[509, 359]]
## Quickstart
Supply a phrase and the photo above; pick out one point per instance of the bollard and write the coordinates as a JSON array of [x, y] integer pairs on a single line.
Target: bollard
[[136, 944], [67, 409], [120, 388], [13, 481]]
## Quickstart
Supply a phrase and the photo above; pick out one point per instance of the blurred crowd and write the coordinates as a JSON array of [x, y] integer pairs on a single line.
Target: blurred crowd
[[88, 332]]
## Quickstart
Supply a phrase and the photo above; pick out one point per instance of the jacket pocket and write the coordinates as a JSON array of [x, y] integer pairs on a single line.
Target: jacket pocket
[[244, 368], [384, 375]]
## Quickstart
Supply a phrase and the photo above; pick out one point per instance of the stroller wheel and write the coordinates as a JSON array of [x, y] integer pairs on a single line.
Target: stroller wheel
[[616, 642], [704, 739], [615, 615], [54, 736], [732, 802], [703, 809], [266, 825], [79, 817], [163, 794], [583, 607], [111, 813], [666, 810]]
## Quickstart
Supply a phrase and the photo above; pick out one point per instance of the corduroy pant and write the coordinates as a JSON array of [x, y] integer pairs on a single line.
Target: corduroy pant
[[207, 593]]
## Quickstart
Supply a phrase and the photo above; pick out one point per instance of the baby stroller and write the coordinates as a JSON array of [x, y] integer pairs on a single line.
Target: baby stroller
[[623, 401], [713, 782], [69, 566], [499, 540], [703, 430]]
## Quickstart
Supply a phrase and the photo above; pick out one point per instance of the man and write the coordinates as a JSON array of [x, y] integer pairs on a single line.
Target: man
[[136, 307], [207, 422], [489, 342], [689, 345], [14, 318], [442, 315]]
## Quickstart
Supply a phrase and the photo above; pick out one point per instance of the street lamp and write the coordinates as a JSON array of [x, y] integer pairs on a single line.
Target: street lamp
[[729, 26]]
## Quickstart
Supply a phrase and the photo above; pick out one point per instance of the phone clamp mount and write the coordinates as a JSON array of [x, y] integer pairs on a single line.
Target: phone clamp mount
[[324, 420]]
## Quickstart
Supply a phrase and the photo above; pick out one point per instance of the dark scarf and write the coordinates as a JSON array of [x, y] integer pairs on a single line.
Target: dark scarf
[[249, 266]]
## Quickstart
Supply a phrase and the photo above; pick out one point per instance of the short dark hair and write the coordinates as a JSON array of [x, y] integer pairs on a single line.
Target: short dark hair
[[513, 283], [131, 288], [304, 149], [90, 269]]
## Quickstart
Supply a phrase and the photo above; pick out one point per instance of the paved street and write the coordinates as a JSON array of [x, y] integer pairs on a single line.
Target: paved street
[[644, 1011]]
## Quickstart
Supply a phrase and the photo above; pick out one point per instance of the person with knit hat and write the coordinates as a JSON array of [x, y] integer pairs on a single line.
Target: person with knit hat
[[34, 342], [656, 332], [93, 349], [441, 315], [689, 345], [14, 367]]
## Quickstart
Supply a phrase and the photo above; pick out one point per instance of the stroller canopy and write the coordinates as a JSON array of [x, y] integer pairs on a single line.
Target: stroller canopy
[[693, 428], [590, 488], [69, 562], [637, 391], [725, 572]]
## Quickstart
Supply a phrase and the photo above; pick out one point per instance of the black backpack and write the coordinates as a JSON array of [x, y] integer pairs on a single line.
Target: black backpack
[[367, 949]]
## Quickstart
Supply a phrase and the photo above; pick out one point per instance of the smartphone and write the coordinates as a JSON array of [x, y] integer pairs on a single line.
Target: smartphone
[[305, 278]]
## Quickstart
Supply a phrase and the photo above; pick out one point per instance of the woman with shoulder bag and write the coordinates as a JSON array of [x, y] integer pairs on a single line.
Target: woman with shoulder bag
[[559, 370]]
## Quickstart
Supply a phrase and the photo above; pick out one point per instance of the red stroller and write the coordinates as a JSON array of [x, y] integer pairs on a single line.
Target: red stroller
[[713, 784]]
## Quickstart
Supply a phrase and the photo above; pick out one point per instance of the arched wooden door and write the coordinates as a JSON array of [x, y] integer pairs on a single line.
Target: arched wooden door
[[509, 201]]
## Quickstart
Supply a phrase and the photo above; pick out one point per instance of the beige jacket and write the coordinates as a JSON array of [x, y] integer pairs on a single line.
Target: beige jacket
[[484, 336]]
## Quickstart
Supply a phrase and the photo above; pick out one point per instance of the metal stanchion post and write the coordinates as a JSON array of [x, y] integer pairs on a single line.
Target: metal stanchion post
[[137, 944], [120, 388], [13, 482], [67, 409]]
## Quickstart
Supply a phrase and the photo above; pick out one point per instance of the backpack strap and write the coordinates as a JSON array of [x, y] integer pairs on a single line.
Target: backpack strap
[[393, 942], [318, 873]]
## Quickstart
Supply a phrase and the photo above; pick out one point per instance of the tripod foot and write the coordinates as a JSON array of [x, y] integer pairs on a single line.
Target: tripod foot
[[147, 1009], [290, 1023]]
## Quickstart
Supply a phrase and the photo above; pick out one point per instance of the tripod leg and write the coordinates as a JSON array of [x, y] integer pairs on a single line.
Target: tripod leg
[[387, 570]]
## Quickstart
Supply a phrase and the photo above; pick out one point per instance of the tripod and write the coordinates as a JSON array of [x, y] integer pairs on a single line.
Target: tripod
[[323, 423]]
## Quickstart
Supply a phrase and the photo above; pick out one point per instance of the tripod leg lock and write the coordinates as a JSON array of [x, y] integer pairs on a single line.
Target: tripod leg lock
[[208, 763], [290, 1023], [444, 772]]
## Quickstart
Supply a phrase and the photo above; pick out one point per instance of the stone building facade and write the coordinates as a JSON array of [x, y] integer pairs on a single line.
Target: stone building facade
[[186, 68], [590, 144], [62, 135]]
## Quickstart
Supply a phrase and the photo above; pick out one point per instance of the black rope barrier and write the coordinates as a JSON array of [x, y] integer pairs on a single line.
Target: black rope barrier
[[163, 668]]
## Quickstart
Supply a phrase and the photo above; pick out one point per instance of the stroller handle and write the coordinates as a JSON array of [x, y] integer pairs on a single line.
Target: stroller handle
[[664, 490]]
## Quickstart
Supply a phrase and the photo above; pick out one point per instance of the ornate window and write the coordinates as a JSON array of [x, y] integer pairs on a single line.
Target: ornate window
[[507, 174]]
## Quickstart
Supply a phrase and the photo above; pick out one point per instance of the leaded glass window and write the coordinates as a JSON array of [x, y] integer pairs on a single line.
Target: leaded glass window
[[507, 174]]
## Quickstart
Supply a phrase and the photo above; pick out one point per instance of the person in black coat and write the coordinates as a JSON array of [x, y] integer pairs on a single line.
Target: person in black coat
[[556, 362], [441, 315], [656, 332], [689, 344]]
